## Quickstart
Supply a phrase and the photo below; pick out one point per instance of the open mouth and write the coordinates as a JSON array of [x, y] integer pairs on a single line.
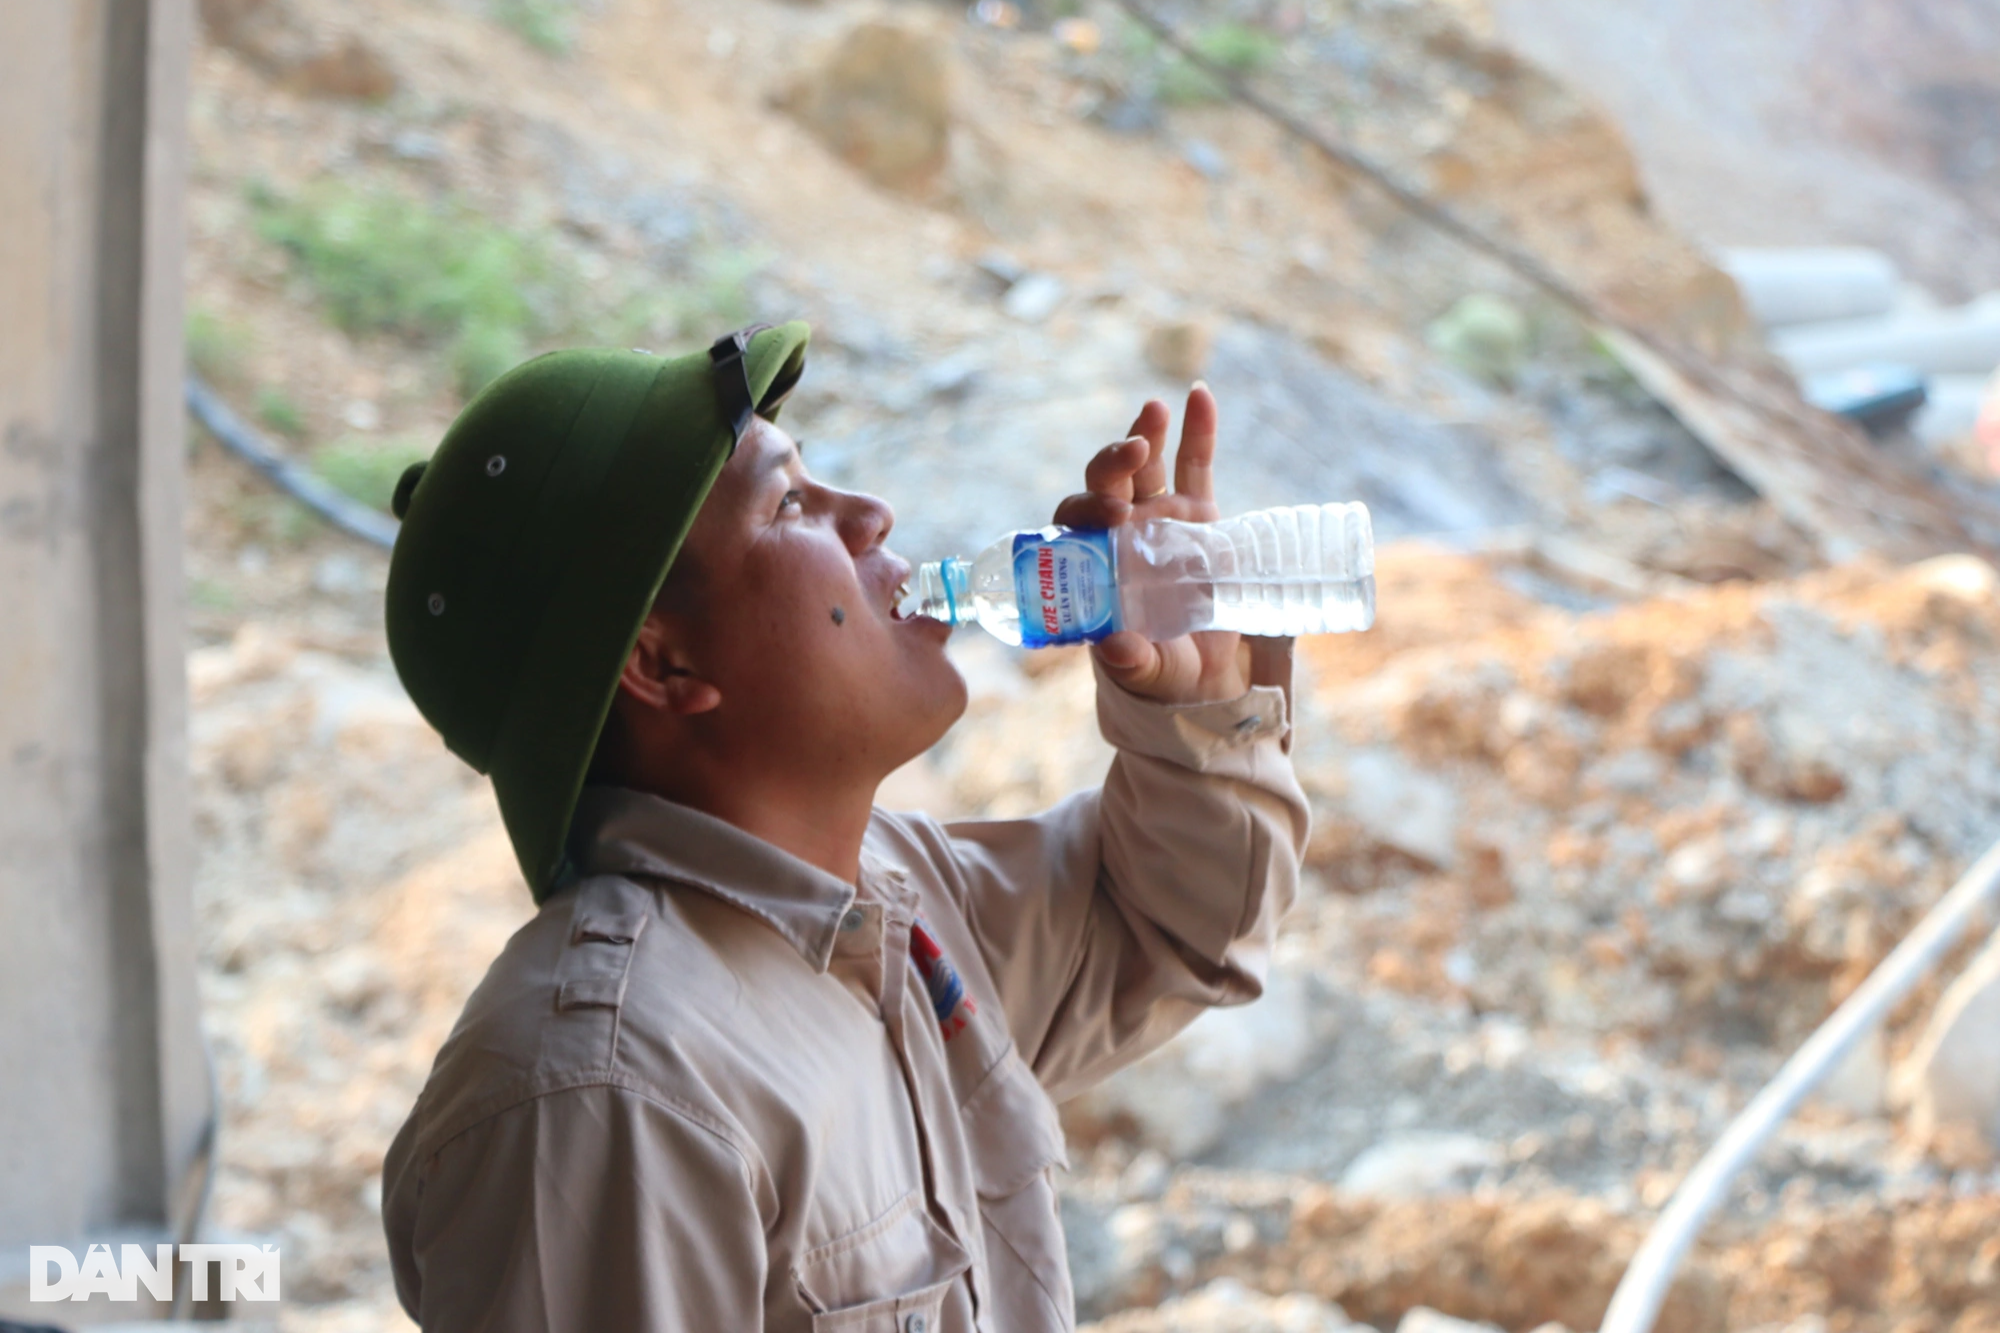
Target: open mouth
[[899, 599]]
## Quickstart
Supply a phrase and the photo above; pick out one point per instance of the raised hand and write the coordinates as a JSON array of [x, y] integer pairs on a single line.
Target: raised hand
[[1127, 482]]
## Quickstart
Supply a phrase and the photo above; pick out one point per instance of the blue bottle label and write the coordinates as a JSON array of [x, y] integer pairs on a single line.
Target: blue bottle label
[[1066, 586]]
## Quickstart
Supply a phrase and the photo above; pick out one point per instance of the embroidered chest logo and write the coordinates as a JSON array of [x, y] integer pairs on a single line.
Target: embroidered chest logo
[[953, 1007]]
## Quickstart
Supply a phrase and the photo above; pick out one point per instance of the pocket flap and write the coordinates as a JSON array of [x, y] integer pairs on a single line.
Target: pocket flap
[[899, 1255], [1013, 1129], [918, 1312]]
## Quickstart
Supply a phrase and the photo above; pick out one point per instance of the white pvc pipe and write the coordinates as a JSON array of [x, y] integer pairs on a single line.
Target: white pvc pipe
[[1808, 285], [1636, 1303], [1962, 341]]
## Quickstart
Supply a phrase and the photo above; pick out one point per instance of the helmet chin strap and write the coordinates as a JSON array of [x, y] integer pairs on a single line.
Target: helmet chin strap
[[732, 380]]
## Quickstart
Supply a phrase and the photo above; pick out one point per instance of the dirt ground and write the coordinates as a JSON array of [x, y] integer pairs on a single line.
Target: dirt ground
[[1857, 121], [1597, 841]]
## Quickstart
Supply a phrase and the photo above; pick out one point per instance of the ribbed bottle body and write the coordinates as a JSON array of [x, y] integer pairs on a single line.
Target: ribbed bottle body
[[1299, 569]]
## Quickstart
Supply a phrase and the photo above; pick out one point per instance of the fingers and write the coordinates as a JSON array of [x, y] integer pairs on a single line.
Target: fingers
[[1086, 509], [1194, 461], [1135, 469], [1109, 472], [1108, 500], [1151, 426], [1130, 659]]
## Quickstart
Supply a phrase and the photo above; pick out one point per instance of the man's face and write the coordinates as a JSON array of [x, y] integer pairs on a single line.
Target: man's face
[[792, 616]]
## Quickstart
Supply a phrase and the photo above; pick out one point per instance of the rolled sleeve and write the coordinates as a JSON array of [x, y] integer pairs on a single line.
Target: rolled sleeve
[[1204, 737], [1111, 921]]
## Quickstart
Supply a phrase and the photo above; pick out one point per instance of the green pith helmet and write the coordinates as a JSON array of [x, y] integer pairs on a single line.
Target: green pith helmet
[[535, 540]]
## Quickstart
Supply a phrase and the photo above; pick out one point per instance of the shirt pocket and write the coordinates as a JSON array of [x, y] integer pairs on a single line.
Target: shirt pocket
[[1016, 1138], [919, 1312], [890, 1276]]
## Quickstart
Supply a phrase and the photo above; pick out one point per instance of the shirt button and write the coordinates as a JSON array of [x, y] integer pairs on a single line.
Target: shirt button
[[852, 921], [916, 1323]]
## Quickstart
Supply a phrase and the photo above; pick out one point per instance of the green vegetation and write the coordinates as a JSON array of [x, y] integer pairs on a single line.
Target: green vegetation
[[208, 595], [386, 263], [443, 276], [1604, 368], [273, 520], [367, 470], [1486, 336], [215, 346], [714, 297], [1239, 48], [547, 25], [278, 412]]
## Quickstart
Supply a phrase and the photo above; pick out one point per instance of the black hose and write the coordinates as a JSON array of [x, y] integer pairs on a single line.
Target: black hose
[[230, 430]]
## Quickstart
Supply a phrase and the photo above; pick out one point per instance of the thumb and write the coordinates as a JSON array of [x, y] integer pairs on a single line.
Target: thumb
[[1128, 658]]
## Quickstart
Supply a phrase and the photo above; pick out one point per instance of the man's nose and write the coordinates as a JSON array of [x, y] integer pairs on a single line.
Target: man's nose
[[865, 520]]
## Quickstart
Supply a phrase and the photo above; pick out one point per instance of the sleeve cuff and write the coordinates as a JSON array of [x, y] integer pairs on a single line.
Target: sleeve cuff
[[1197, 736]]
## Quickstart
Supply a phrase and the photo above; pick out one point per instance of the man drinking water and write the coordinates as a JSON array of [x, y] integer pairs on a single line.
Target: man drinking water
[[769, 1057]]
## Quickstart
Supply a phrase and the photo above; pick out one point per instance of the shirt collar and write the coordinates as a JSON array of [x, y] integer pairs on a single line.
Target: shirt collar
[[618, 831]]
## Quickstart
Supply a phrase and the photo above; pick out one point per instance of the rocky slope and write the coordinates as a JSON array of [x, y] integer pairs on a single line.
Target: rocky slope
[[1501, 1025], [1800, 122], [1613, 804]]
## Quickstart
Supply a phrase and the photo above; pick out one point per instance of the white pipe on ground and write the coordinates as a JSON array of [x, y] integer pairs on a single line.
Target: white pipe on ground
[[1643, 1289], [1810, 284], [1962, 341]]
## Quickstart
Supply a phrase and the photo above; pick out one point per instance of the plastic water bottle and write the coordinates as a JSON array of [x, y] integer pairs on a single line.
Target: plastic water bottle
[[1302, 569]]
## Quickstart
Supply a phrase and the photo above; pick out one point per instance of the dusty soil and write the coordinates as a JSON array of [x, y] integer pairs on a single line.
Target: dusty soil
[[1815, 121], [1588, 863]]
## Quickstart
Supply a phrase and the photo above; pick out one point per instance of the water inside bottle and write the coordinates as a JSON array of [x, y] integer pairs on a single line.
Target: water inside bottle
[[1301, 569]]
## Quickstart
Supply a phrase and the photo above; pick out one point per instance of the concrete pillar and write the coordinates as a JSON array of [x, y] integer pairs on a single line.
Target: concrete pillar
[[103, 1092]]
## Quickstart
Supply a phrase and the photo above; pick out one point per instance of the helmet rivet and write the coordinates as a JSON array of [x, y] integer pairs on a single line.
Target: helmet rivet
[[437, 603], [496, 465]]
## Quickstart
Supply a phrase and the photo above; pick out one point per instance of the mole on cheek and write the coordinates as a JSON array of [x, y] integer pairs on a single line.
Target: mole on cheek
[[839, 616]]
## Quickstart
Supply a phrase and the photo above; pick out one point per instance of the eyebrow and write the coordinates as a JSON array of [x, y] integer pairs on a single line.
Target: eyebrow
[[780, 461]]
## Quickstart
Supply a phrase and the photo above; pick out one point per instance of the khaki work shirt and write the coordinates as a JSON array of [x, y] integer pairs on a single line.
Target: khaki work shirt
[[712, 1088]]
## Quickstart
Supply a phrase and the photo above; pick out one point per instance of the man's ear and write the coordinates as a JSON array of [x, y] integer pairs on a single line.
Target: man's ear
[[657, 676]]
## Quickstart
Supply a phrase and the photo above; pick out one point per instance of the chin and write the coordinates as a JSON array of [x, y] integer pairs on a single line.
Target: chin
[[946, 705], [934, 705]]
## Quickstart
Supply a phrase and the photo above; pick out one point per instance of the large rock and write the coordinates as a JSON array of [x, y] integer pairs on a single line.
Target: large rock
[[1227, 1306], [1418, 1165], [1866, 119], [1859, 1084], [1403, 807], [882, 101], [1955, 1070], [1179, 348], [1423, 1319], [286, 46], [1179, 1097]]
